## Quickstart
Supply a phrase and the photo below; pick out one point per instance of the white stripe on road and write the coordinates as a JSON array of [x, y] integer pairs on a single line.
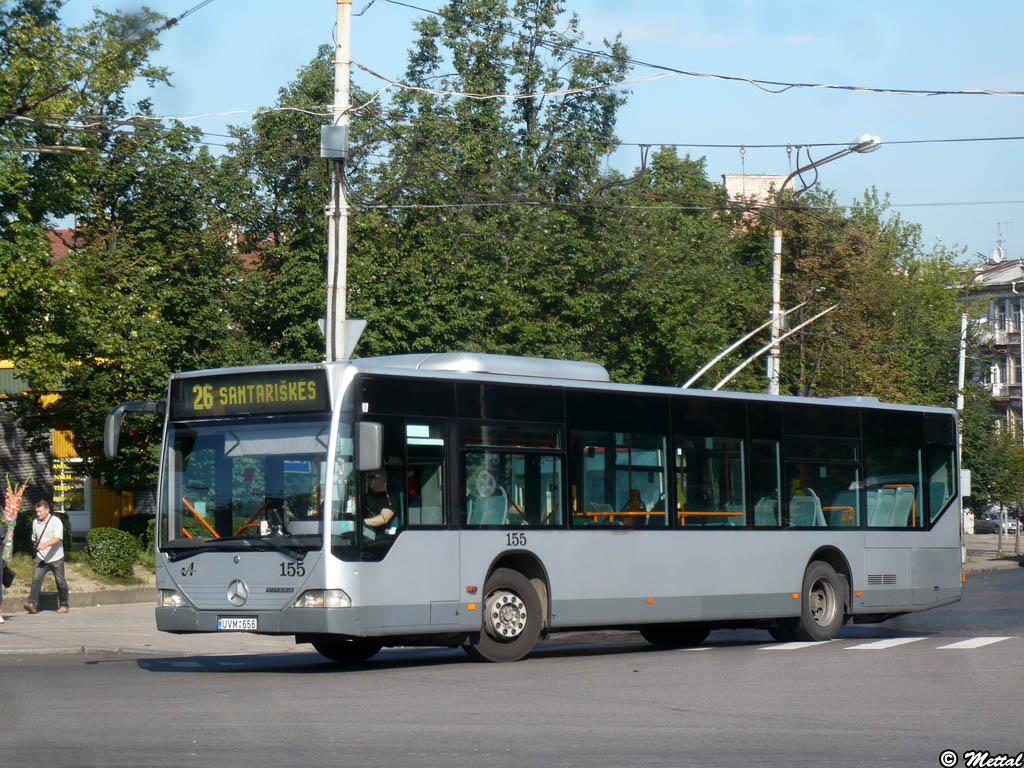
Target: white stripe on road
[[793, 646], [879, 645], [974, 642]]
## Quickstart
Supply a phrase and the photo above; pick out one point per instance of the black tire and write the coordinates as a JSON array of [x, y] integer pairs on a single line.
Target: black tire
[[782, 630], [679, 635], [347, 650], [512, 618], [822, 604]]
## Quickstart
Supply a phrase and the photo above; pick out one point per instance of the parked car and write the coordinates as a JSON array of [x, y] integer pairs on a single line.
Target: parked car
[[988, 522]]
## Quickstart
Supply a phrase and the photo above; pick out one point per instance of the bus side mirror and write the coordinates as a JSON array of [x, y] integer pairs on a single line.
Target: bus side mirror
[[112, 426], [371, 446]]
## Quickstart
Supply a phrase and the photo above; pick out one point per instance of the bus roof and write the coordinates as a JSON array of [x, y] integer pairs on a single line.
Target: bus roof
[[544, 372]]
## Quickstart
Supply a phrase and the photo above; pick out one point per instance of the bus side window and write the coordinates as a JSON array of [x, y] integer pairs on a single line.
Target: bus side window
[[424, 473], [624, 479], [764, 482], [709, 475], [512, 489], [893, 458]]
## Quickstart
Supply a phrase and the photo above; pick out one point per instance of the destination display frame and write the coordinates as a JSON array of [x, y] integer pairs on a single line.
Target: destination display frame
[[249, 393]]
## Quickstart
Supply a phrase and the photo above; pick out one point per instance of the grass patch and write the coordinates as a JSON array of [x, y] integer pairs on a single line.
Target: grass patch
[[75, 564], [22, 566], [84, 569]]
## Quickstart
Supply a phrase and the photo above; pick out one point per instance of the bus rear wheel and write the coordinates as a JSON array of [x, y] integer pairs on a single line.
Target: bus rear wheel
[[675, 635], [347, 650], [512, 618], [822, 607]]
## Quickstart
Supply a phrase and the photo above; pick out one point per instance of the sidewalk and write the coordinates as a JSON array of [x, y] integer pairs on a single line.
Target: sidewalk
[[981, 553], [120, 628], [122, 621]]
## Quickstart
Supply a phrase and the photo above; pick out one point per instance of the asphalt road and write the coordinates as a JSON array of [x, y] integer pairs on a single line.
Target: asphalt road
[[895, 694]]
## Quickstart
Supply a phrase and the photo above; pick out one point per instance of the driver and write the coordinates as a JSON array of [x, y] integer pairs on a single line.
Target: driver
[[377, 507]]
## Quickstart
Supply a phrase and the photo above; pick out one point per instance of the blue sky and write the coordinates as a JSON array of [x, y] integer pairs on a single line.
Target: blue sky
[[235, 54]]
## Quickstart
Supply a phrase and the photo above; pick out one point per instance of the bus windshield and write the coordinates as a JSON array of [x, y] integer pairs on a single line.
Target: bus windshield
[[244, 484]]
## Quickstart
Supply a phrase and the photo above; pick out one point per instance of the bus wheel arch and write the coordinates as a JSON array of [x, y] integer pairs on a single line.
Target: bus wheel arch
[[835, 558], [527, 564], [512, 618], [822, 604]]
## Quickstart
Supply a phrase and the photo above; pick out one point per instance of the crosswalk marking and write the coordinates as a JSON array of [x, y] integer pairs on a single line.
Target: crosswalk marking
[[793, 646], [974, 642], [878, 645], [698, 648]]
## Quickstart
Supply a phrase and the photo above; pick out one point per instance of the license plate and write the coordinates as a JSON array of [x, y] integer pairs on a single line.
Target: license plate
[[237, 623]]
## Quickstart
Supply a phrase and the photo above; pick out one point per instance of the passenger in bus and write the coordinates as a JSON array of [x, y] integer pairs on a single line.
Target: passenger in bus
[[378, 509]]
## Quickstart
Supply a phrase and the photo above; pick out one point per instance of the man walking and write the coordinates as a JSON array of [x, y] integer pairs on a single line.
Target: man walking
[[48, 538]]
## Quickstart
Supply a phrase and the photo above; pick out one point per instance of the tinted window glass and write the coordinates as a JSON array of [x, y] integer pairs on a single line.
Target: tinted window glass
[[826, 421], [623, 479], [421, 397], [501, 402], [619, 413]]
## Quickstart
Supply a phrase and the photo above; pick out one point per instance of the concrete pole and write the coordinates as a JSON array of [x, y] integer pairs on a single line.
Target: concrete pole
[[337, 209], [775, 354], [1020, 382]]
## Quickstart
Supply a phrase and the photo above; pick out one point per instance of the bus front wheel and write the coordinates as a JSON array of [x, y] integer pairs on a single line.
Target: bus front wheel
[[822, 607], [512, 618], [347, 650]]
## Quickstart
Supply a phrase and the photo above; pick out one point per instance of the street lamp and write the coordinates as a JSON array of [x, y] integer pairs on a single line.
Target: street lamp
[[866, 143]]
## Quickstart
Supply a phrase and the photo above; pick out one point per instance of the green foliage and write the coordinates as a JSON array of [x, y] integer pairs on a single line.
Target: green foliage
[[111, 552], [141, 527], [994, 456], [475, 224]]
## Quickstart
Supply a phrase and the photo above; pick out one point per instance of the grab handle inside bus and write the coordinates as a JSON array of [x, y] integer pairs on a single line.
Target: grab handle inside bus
[[112, 426], [371, 440]]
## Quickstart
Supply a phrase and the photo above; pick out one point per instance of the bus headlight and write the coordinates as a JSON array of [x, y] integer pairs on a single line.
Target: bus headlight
[[324, 598], [171, 598]]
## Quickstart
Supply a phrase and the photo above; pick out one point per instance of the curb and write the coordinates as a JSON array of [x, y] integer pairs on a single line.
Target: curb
[[48, 600], [71, 650]]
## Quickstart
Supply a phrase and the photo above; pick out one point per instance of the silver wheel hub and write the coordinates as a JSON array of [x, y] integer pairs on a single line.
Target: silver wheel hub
[[505, 615], [822, 603]]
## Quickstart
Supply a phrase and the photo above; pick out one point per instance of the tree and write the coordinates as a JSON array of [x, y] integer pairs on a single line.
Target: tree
[[52, 82], [896, 332]]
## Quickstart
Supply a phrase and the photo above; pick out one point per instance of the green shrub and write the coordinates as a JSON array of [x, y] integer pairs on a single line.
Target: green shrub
[[23, 532], [111, 552], [139, 526]]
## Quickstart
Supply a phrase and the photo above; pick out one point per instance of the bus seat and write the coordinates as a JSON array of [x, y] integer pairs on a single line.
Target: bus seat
[[806, 511], [430, 516], [489, 510], [843, 503], [764, 511], [734, 506], [937, 495], [880, 503], [903, 502]]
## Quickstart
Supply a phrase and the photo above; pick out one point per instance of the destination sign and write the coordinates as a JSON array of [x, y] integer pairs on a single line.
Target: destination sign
[[246, 394]]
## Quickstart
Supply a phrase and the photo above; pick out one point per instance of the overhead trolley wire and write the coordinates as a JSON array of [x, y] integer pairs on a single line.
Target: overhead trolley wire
[[770, 86]]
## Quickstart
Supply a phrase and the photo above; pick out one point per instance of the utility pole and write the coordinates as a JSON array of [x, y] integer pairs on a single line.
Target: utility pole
[[334, 145]]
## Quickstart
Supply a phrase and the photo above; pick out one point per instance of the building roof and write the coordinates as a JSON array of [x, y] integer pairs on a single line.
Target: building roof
[[1003, 273]]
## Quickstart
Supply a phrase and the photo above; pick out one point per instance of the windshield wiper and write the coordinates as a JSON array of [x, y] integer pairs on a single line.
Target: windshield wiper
[[177, 552], [251, 542]]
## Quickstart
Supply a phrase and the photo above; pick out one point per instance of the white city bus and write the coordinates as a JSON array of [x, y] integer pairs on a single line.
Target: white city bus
[[526, 496]]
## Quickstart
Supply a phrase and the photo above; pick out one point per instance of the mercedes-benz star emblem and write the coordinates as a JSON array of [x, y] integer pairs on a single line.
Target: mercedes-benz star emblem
[[238, 593]]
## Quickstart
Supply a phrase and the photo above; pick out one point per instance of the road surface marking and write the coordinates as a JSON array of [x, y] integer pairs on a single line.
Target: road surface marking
[[974, 642], [879, 645], [793, 646]]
